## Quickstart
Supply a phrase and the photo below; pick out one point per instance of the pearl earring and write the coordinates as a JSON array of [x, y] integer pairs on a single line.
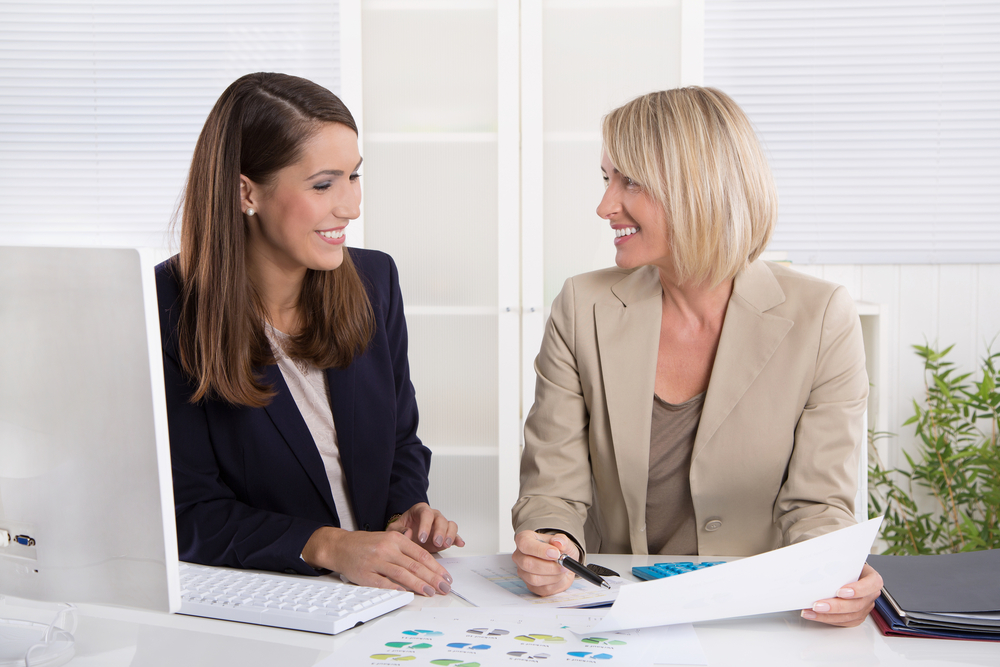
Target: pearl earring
[[250, 212]]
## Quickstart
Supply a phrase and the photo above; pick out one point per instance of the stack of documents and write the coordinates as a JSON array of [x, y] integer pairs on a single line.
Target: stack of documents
[[950, 596]]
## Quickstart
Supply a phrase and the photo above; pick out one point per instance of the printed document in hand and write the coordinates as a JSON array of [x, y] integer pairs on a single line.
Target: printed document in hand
[[492, 581], [781, 580]]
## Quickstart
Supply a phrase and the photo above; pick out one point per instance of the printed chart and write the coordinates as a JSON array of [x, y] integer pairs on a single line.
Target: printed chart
[[488, 638], [487, 581]]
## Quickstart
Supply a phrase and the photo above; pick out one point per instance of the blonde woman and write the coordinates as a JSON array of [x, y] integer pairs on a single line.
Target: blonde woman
[[694, 399]]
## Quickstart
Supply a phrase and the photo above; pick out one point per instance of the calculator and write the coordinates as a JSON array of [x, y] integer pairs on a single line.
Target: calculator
[[661, 570]]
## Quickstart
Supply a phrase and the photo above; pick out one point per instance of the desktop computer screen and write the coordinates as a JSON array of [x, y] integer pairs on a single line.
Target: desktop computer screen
[[86, 502]]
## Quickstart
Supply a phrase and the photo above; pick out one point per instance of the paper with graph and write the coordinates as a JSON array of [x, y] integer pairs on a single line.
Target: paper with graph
[[480, 637], [492, 581]]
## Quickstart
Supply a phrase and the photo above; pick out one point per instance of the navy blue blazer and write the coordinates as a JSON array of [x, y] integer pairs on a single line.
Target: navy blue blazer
[[249, 483]]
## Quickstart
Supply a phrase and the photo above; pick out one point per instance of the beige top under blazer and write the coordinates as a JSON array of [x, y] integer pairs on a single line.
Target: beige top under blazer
[[775, 459]]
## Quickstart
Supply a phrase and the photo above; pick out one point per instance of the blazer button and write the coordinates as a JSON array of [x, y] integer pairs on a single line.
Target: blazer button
[[713, 525], [367, 527]]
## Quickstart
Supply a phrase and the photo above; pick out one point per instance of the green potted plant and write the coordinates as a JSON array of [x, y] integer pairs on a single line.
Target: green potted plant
[[957, 460]]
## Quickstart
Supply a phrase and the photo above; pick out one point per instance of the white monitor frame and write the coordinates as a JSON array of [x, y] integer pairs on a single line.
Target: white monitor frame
[[84, 449]]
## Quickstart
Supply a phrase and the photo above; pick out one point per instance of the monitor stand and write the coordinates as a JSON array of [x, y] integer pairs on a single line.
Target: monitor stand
[[26, 643]]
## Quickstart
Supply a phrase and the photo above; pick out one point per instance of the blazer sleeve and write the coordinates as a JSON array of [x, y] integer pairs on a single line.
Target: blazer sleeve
[[556, 489], [818, 494], [213, 526], [412, 460]]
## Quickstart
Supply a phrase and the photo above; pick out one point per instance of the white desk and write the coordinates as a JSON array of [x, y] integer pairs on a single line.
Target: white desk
[[112, 637]]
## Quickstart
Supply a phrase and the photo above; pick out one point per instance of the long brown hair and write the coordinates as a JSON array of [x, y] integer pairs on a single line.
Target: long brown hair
[[257, 127]]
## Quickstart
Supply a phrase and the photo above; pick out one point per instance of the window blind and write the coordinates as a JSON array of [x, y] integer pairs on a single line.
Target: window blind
[[881, 119], [101, 104]]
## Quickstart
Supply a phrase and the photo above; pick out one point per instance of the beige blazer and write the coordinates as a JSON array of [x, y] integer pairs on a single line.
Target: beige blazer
[[775, 458]]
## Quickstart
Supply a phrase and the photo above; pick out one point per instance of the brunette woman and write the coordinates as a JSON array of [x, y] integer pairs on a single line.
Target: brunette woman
[[293, 423]]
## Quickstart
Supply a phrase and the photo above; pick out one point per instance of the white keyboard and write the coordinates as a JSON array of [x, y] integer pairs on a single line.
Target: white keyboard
[[296, 603]]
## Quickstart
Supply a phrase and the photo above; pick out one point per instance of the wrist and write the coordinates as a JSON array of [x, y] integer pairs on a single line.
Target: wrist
[[320, 550]]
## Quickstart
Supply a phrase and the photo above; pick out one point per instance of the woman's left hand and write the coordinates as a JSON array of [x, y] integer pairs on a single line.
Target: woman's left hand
[[428, 528], [853, 602]]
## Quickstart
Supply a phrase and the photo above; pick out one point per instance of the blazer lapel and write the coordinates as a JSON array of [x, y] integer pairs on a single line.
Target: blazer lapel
[[749, 338], [628, 327], [285, 416]]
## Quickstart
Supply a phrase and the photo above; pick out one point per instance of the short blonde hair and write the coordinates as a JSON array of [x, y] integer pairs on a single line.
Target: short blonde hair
[[694, 151]]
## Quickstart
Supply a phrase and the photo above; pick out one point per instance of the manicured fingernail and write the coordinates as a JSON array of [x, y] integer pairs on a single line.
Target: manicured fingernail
[[428, 591], [551, 553], [808, 614], [439, 541], [448, 542], [845, 593], [448, 577], [821, 607], [423, 537], [444, 587]]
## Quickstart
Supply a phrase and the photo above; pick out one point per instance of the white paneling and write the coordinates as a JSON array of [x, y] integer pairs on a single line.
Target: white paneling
[[441, 231], [453, 366], [918, 322], [988, 306], [956, 299], [462, 487], [598, 56], [574, 238], [430, 69]]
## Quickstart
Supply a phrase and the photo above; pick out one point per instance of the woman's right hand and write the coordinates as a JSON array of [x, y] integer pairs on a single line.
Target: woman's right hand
[[386, 559], [536, 557]]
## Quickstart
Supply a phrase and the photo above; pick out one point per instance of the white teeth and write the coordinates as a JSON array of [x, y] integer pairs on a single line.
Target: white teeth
[[628, 231], [335, 234]]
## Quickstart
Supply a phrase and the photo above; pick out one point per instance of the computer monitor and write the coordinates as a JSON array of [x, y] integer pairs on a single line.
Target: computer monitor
[[85, 489]]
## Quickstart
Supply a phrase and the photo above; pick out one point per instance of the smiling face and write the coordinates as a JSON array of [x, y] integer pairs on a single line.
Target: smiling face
[[301, 214], [638, 221]]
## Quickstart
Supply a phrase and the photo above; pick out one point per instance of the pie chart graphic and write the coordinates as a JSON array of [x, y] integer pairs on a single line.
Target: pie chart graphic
[[542, 639], [422, 633], [395, 657]]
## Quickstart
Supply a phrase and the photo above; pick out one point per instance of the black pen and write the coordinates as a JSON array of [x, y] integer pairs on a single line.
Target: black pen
[[578, 568]]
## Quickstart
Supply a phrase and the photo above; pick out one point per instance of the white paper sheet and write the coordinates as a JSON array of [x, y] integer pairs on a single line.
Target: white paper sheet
[[481, 637], [492, 581], [790, 578]]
